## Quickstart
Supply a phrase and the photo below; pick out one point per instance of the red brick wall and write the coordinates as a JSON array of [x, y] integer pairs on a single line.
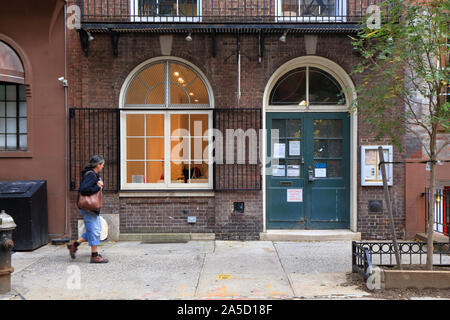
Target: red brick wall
[[95, 81]]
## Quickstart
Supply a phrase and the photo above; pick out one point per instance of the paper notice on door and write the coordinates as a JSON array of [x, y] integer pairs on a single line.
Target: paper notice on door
[[293, 171], [279, 150], [294, 148], [294, 195], [278, 171], [320, 172]]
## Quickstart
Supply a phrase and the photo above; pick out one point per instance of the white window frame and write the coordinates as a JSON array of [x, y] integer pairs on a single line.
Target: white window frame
[[340, 16], [167, 185], [134, 6]]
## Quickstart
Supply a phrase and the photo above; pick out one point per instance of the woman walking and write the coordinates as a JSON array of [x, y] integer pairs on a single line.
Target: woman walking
[[90, 184]]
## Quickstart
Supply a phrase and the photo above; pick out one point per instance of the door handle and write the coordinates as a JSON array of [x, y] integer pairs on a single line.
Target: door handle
[[311, 176]]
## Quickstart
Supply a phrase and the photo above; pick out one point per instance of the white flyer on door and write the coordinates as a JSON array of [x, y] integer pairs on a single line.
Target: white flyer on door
[[294, 195], [279, 150], [294, 148]]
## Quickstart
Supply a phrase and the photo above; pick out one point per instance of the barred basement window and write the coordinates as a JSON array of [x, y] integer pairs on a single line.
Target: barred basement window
[[166, 131]]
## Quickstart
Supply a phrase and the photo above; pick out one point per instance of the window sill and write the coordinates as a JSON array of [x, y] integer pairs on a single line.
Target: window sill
[[175, 193], [16, 154]]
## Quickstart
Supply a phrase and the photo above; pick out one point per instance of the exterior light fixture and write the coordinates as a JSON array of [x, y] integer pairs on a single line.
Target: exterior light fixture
[[90, 36], [283, 37], [189, 37]]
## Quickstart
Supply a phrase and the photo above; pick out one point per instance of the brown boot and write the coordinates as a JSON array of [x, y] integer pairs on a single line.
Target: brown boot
[[99, 259], [72, 249]]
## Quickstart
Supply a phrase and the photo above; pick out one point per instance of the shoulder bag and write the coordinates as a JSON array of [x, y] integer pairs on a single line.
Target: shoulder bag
[[93, 202]]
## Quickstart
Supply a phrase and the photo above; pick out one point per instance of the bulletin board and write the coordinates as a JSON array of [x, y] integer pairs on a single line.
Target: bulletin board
[[370, 169]]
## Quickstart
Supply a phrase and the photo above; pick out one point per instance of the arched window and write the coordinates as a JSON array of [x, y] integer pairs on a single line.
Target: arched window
[[166, 122], [307, 86], [166, 84], [13, 105]]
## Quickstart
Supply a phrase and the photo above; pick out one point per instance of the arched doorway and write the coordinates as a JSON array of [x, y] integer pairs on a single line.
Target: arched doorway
[[310, 170]]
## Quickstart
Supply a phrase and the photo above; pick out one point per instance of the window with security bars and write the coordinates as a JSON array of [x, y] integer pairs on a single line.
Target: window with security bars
[[312, 10], [166, 10], [13, 117]]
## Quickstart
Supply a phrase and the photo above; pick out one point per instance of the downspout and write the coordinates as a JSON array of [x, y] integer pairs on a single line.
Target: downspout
[[65, 118], [65, 130]]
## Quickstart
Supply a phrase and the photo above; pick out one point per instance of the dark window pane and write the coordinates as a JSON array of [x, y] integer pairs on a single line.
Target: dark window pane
[[316, 8], [168, 8], [335, 148], [2, 92], [320, 128], [290, 89], [320, 148], [280, 125], [335, 168], [187, 8], [294, 128], [323, 88], [335, 128], [147, 8], [22, 95]]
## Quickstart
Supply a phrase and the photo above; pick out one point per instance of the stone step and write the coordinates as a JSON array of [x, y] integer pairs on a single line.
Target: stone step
[[309, 235], [437, 237]]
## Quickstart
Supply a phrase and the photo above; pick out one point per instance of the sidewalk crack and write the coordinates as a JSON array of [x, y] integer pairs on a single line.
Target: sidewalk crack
[[284, 270]]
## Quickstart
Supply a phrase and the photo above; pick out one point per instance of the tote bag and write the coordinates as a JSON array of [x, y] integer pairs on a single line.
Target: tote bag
[[93, 202]]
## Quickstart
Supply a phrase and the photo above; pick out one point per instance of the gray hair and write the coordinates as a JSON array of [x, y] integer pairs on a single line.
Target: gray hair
[[95, 160]]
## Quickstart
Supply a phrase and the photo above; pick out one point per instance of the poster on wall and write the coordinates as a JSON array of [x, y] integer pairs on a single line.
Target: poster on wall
[[370, 165]]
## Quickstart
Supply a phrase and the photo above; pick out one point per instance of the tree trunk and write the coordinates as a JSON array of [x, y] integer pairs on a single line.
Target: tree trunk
[[389, 207], [431, 209]]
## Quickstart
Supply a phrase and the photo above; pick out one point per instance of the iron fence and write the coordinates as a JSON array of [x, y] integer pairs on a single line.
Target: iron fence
[[366, 254], [441, 200], [94, 131], [97, 131], [224, 11]]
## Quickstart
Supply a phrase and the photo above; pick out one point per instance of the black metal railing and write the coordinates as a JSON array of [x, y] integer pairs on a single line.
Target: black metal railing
[[239, 165], [366, 254], [223, 11], [94, 131], [441, 200], [236, 168]]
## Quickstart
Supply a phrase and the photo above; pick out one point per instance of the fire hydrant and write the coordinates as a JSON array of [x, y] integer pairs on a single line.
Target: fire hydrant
[[7, 226]]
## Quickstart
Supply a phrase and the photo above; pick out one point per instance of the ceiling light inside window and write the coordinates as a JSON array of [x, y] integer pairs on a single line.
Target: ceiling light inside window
[[176, 73]]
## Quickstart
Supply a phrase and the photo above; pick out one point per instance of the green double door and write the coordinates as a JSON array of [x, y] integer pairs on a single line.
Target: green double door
[[308, 171]]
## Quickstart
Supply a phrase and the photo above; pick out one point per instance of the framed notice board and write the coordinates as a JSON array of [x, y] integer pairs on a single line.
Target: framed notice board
[[370, 169]]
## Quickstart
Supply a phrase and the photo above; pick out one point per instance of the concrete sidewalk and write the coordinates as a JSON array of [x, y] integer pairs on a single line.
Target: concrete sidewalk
[[191, 270]]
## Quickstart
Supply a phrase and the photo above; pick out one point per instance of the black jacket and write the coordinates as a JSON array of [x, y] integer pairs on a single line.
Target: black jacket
[[88, 184]]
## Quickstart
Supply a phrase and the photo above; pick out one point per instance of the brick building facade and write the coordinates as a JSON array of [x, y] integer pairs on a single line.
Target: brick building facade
[[99, 80]]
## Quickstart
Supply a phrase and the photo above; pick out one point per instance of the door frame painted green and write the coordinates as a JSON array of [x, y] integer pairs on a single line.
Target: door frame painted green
[[281, 214], [346, 82]]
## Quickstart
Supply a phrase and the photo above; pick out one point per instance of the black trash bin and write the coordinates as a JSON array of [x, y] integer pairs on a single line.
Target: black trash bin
[[26, 203]]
